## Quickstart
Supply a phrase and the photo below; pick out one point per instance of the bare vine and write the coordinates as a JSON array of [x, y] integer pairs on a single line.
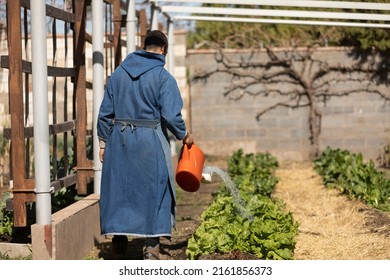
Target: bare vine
[[311, 81]]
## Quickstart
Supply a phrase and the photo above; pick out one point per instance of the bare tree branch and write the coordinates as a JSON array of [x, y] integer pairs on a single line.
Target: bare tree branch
[[311, 80]]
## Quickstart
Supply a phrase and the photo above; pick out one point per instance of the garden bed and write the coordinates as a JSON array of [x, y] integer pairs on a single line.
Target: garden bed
[[332, 226]]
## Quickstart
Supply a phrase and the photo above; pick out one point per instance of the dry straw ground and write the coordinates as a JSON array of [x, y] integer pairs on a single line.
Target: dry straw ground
[[331, 226]]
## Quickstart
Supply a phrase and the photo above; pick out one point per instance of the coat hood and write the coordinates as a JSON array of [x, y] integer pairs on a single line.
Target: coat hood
[[141, 61]]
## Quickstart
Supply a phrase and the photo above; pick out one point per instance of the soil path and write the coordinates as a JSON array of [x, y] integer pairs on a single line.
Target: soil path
[[331, 226], [190, 206]]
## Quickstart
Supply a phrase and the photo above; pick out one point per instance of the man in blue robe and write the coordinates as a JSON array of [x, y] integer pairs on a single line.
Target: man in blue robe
[[141, 104]]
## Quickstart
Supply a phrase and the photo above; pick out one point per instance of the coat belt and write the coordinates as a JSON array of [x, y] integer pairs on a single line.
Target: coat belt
[[134, 123]]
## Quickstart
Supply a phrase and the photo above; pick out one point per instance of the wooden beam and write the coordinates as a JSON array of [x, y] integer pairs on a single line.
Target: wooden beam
[[52, 71], [15, 83], [53, 129], [80, 100], [53, 12]]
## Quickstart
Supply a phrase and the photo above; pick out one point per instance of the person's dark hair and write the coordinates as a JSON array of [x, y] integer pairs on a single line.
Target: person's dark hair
[[156, 38]]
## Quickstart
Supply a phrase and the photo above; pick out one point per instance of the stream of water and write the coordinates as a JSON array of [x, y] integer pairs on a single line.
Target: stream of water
[[237, 199]]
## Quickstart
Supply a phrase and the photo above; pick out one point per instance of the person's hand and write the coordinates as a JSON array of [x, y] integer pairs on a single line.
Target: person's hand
[[188, 140], [101, 154]]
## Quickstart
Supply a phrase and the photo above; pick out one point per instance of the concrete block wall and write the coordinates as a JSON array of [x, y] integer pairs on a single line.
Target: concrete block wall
[[359, 123], [356, 122]]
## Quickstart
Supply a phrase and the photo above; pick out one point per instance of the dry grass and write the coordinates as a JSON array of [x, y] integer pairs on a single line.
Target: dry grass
[[331, 226]]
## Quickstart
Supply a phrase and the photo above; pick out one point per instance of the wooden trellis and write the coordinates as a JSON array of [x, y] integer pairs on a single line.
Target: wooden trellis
[[69, 88]]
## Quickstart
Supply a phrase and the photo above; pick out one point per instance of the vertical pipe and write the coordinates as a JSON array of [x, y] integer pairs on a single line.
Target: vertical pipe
[[131, 21], [171, 58], [154, 25], [40, 107], [98, 83], [171, 68]]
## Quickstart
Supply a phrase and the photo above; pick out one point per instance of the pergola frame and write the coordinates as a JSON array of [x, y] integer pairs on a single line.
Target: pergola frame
[[277, 16]]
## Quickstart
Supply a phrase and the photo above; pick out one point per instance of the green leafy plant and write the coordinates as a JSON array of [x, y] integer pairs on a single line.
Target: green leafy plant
[[6, 217], [270, 235], [268, 232], [253, 172], [63, 198], [349, 173]]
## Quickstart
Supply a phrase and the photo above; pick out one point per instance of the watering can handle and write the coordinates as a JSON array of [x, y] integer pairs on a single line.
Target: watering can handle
[[188, 140], [186, 152]]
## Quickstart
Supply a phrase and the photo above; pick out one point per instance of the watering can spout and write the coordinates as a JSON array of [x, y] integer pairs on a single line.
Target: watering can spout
[[206, 178]]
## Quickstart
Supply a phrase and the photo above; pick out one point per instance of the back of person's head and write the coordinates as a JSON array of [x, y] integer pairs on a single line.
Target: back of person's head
[[154, 39]]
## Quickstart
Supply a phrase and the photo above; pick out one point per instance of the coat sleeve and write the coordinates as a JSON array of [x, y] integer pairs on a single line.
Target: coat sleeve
[[171, 105], [106, 116]]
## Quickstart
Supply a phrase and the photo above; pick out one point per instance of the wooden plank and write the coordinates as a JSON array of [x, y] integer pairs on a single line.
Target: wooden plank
[[88, 38], [108, 45], [89, 85], [53, 129], [66, 181], [29, 185], [20, 210], [111, 39], [15, 83], [52, 71], [53, 12], [61, 127], [80, 93], [117, 33], [143, 23], [28, 193]]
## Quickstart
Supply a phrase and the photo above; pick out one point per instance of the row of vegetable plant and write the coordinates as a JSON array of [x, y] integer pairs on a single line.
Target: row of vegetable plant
[[349, 173], [268, 231]]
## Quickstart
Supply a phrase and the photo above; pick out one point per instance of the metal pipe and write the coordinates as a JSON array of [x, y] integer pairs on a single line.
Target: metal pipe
[[281, 21], [274, 13], [171, 57], [40, 107], [131, 21], [155, 11], [98, 84], [297, 3], [171, 68]]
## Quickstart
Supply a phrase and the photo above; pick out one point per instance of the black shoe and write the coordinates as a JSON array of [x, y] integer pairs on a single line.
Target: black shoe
[[119, 246]]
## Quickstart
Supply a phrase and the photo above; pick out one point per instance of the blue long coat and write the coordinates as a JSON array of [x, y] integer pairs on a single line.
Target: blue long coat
[[141, 103]]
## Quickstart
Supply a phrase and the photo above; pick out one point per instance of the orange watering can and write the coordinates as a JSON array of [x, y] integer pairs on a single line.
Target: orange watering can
[[190, 167]]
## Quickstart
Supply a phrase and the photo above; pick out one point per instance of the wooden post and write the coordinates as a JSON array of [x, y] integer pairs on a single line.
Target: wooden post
[[84, 166], [21, 192]]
